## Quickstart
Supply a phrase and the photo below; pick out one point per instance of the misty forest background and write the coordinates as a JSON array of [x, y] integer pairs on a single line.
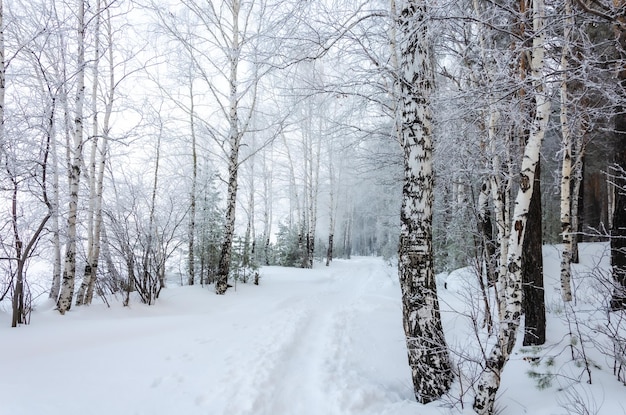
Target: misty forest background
[[146, 143]]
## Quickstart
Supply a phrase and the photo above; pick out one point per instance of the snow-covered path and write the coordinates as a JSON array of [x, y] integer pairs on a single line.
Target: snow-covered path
[[321, 342]]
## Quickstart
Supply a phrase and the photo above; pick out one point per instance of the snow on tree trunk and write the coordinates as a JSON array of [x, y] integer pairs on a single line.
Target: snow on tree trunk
[[64, 302], [489, 381], [427, 350]]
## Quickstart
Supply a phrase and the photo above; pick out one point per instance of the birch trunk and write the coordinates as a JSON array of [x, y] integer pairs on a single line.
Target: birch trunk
[[64, 302], [488, 252], [91, 174], [347, 233], [18, 291], [577, 195], [566, 167], [332, 209], [104, 152], [500, 196], [191, 260], [60, 72], [314, 175], [267, 211], [427, 350], [221, 283], [489, 381], [55, 228], [249, 236]]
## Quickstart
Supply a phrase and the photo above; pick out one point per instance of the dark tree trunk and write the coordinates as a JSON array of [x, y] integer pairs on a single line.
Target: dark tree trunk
[[329, 251], [532, 271], [618, 231], [579, 212]]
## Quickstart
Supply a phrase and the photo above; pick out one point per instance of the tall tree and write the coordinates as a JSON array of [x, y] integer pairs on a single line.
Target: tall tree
[[93, 241], [532, 271], [64, 302], [427, 350], [532, 249], [613, 13], [566, 165], [235, 134], [489, 381]]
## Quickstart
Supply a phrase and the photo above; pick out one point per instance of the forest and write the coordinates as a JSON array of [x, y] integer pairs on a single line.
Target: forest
[[146, 144]]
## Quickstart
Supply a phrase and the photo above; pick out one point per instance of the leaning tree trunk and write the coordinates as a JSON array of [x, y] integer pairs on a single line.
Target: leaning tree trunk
[[489, 381], [427, 350]]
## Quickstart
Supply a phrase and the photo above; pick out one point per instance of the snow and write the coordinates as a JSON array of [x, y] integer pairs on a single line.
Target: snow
[[324, 341]]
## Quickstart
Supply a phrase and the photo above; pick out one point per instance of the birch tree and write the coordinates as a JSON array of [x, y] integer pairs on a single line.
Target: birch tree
[[426, 345], [566, 165], [229, 31], [489, 381], [64, 302], [97, 161]]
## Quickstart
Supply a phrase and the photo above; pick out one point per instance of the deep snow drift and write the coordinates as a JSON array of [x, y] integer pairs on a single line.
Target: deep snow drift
[[321, 342]]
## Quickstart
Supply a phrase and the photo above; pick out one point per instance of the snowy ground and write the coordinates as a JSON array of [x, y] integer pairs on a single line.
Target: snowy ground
[[321, 342]]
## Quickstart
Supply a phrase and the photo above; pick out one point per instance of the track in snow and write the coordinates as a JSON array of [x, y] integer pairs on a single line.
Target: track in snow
[[324, 341]]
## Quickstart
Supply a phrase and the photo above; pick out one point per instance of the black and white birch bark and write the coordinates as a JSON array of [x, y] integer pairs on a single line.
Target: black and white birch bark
[[566, 166], [221, 282], [427, 350], [91, 171], [489, 381], [191, 245], [64, 302]]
